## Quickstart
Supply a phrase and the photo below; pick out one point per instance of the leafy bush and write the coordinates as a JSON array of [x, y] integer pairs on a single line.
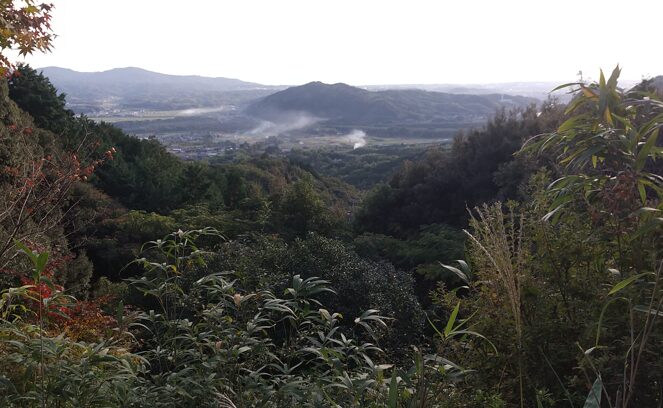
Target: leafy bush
[[43, 367], [257, 348], [265, 262]]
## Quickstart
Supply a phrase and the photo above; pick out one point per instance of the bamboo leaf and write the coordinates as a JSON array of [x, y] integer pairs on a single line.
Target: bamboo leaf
[[552, 214], [393, 391], [539, 404], [645, 150], [594, 398], [649, 226], [646, 309], [612, 81], [439, 333], [451, 321], [626, 282], [569, 124], [23, 248], [456, 271], [475, 334], [567, 85], [642, 191]]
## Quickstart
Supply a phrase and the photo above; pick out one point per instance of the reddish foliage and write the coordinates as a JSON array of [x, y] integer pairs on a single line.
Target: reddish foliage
[[87, 321], [41, 185], [26, 28], [81, 320]]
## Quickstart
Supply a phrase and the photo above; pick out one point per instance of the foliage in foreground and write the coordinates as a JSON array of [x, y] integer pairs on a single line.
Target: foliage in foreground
[[209, 345], [565, 285], [568, 283]]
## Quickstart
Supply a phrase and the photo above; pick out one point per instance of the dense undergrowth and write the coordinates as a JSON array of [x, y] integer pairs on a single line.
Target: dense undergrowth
[[131, 278]]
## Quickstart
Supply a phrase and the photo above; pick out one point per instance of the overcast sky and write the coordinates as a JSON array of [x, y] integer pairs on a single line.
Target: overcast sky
[[361, 41]]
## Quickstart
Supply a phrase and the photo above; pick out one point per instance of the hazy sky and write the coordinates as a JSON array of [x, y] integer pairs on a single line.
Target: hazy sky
[[360, 41]]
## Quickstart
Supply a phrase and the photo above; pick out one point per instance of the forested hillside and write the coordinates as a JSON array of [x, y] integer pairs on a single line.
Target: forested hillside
[[345, 104], [520, 267], [393, 113]]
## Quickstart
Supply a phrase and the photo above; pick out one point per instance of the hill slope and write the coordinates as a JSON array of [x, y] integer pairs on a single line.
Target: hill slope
[[341, 104]]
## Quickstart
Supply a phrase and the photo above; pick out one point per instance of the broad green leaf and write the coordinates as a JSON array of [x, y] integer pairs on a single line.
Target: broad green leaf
[[475, 334], [561, 200], [649, 226], [569, 124], [42, 260], [393, 391], [457, 272], [601, 79], [439, 333], [567, 85], [451, 321], [646, 309], [243, 349], [645, 150], [594, 398], [588, 92], [646, 210], [463, 265], [26, 250], [554, 214], [608, 116], [612, 81], [642, 191], [577, 102], [626, 282]]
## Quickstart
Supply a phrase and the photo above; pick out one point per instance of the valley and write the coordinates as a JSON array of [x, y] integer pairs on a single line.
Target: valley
[[204, 118]]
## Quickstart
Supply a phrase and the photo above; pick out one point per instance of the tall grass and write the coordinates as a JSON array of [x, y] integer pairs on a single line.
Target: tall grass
[[497, 240]]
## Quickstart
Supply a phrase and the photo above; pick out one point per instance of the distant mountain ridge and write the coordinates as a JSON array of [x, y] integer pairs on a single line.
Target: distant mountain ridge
[[126, 88], [119, 77], [347, 105]]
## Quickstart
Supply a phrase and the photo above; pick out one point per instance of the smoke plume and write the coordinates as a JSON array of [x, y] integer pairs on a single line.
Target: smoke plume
[[357, 138], [285, 123]]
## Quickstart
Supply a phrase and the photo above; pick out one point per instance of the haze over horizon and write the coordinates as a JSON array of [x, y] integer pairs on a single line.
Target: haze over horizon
[[284, 85], [363, 43]]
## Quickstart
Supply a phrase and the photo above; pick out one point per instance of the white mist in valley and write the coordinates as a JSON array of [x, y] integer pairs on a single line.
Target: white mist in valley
[[357, 138], [203, 111], [285, 123], [301, 127]]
